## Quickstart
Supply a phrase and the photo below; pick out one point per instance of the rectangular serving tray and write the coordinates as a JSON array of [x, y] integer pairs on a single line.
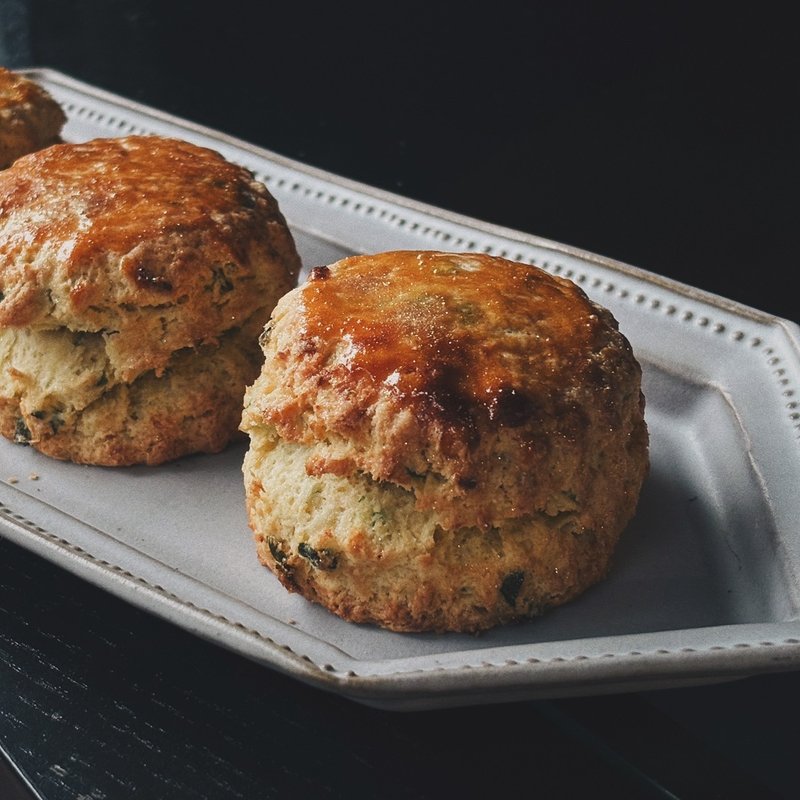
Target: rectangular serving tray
[[706, 583]]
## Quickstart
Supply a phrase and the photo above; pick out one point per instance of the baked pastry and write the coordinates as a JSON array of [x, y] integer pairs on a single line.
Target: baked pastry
[[442, 441], [30, 118], [136, 275]]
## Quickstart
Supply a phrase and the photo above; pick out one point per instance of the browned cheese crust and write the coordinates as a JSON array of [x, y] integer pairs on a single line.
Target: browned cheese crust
[[495, 403], [30, 118], [135, 277]]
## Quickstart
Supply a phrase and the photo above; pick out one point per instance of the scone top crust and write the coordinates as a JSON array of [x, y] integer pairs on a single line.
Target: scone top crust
[[489, 388], [18, 91], [154, 242], [29, 117]]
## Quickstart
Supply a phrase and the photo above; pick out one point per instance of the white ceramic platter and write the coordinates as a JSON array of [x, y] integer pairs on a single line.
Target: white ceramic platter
[[706, 584]]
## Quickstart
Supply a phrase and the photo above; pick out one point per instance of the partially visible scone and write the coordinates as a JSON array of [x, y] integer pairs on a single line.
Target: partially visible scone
[[135, 277], [30, 118], [442, 441]]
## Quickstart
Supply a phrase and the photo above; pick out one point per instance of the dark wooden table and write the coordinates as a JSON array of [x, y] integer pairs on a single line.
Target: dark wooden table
[[661, 138]]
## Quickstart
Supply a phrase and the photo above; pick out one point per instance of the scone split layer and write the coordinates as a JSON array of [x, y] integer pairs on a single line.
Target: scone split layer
[[472, 430]]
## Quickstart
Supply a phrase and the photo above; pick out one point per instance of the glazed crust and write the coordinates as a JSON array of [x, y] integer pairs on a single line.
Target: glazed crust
[[135, 250], [30, 118], [496, 396]]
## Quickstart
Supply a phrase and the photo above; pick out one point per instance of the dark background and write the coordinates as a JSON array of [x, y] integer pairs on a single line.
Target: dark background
[[653, 133]]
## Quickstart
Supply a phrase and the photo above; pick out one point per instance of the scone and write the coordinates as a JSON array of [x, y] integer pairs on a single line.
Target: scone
[[30, 118], [442, 441], [136, 275]]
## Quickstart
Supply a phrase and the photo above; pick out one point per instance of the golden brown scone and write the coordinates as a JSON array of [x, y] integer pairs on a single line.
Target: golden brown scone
[[30, 118], [442, 441], [135, 277]]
